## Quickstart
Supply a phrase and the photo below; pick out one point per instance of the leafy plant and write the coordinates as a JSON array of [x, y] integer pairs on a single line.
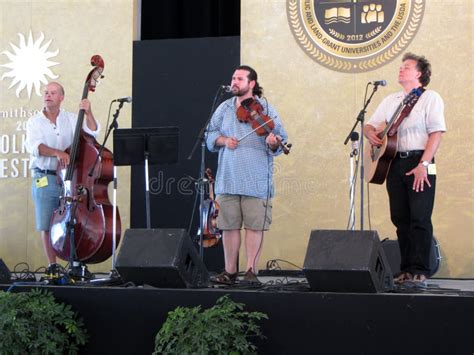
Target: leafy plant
[[34, 323], [223, 329]]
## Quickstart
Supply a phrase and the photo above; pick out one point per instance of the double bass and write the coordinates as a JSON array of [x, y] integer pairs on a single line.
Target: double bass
[[84, 219]]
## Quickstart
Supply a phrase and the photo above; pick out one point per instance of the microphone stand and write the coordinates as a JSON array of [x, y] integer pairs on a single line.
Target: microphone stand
[[360, 119], [352, 185], [202, 180], [113, 125]]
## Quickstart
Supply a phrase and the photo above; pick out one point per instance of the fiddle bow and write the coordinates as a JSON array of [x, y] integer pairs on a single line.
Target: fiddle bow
[[251, 111]]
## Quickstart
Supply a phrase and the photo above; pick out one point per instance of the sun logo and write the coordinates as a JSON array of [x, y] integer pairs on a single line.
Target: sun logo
[[29, 64]]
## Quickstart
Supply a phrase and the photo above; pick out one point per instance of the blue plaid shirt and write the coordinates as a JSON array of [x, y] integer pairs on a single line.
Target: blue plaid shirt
[[248, 169]]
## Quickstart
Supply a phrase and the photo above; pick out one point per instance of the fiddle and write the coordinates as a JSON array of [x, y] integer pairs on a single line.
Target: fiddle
[[211, 234], [251, 111]]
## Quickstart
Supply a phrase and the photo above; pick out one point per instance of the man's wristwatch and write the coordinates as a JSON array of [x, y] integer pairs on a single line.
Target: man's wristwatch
[[425, 163]]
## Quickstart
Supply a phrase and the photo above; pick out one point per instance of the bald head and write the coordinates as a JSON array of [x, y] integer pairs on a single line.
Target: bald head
[[57, 86]]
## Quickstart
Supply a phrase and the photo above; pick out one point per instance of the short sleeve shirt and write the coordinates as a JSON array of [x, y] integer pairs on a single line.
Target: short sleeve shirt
[[426, 117]]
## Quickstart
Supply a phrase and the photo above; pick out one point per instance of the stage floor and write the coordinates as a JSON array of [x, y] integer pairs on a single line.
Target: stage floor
[[436, 319], [466, 285], [295, 281]]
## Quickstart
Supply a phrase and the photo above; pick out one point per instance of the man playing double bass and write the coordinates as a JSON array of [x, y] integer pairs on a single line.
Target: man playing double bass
[[244, 184], [411, 179], [48, 134]]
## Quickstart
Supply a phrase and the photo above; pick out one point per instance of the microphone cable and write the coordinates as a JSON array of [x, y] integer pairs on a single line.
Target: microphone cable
[[219, 93], [368, 206], [269, 175]]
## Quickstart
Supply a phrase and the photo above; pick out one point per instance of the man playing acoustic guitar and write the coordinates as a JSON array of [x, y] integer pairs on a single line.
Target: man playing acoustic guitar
[[411, 178]]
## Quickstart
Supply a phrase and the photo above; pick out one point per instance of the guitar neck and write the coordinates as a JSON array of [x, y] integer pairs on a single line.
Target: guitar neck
[[403, 110], [392, 120]]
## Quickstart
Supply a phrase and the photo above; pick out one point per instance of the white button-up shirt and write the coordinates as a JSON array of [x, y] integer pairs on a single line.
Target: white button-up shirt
[[40, 130], [426, 117]]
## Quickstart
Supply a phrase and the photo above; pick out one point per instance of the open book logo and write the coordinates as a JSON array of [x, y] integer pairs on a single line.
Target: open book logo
[[337, 14], [354, 35]]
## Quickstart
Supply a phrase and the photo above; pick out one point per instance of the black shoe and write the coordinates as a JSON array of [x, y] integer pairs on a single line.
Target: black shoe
[[80, 273], [52, 271]]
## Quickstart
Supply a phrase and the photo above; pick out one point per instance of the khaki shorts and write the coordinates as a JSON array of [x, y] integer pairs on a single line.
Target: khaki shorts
[[235, 209]]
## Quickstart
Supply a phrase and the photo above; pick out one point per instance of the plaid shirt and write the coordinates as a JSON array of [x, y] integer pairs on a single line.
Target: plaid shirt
[[248, 169]]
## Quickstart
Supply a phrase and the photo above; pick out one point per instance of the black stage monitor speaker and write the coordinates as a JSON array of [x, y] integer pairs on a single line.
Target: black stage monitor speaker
[[161, 258], [346, 261], [5, 276], [392, 251]]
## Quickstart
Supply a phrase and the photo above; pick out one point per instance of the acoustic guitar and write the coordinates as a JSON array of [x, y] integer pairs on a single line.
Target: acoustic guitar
[[379, 158]]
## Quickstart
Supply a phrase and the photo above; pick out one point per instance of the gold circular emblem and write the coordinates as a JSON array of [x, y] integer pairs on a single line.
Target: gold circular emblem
[[354, 36]]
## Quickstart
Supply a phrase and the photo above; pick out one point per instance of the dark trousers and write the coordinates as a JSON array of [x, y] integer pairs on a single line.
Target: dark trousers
[[410, 212]]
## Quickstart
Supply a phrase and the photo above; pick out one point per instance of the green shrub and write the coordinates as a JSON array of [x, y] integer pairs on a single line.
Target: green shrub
[[34, 323], [222, 329]]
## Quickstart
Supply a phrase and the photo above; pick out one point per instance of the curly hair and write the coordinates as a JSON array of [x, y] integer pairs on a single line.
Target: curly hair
[[423, 66], [257, 90]]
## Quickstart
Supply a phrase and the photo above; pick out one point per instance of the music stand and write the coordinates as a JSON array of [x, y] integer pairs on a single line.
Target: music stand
[[156, 145]]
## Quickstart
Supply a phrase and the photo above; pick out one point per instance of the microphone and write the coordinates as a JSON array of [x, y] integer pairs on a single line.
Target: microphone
[[379, 82], [226, 88], [355, 143], [127, 99]]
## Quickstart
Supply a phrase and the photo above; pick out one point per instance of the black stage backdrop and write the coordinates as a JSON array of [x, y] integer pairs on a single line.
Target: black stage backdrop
[[174, 84], [163, 19]]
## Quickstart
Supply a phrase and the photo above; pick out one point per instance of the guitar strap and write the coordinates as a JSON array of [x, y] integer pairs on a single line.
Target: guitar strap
[[405, 112]]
